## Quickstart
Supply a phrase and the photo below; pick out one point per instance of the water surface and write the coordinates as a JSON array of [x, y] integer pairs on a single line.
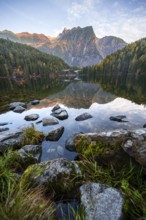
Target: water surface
[[78, 97]]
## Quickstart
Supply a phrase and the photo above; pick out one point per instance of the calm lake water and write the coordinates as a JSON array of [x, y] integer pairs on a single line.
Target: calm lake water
[[76, 97]]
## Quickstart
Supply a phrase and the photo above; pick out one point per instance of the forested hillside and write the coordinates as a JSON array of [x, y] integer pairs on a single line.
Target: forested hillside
[[122, 66], [124, 69], [21, 63]]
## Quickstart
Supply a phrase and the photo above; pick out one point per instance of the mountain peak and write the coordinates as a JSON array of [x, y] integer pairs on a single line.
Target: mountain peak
[[65, 30], [77, 32]]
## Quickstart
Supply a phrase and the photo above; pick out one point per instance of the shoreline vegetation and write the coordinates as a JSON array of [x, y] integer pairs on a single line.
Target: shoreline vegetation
[[31, 190]]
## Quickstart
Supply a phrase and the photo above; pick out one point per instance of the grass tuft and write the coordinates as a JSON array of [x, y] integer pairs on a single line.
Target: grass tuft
[[31, 136]]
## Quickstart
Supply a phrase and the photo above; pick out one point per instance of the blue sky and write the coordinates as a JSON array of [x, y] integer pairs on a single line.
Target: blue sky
[[121, 18]]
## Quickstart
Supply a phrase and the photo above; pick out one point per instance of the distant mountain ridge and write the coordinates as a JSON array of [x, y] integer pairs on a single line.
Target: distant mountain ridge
[[77, 46]]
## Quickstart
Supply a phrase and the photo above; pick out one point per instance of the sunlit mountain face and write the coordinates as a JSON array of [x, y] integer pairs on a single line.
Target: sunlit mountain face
[[76, 46]]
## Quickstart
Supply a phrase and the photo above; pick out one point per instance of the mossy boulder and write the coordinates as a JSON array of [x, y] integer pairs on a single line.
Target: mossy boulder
[[56, 176], [114, 144], [104, 149]]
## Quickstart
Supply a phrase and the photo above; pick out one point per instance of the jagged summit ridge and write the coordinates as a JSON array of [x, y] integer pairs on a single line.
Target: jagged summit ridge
[[77, 46]]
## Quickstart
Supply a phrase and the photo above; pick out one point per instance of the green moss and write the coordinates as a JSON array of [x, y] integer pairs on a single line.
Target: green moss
[[31, 136], [62, 185]]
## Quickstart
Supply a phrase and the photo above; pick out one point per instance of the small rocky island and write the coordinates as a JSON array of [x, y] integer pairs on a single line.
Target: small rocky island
[[107, 179]]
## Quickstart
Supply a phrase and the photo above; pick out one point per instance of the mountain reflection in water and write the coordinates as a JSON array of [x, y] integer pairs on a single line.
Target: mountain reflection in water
[[77, 98]]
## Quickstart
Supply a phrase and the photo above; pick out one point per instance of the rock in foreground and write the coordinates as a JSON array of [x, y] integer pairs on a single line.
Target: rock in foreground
[[10, 140], [101, 202], [55, 134], [56, 175], [30, 153]]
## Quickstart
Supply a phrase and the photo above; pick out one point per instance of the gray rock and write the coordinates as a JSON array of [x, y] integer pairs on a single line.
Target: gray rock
[[4, 129], [136, 149], [118, 118], [144, 126], [30, 153], [56, 107], [101, 202], [38, 122], [19, 109], [8, 140], [13, 105], [55, 134], [31, 117], [60, 114], [56, 175], [35, 102], [50, 121], [83, 117], [4, 123]]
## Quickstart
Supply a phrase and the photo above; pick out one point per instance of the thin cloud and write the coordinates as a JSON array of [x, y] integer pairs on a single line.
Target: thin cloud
[[78, 9]]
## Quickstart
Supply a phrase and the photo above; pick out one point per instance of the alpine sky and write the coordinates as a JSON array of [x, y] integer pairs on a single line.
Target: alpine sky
[[121, 18]]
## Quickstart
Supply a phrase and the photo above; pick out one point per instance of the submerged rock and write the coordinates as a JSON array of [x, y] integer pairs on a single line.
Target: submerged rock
[[4, 123], [31, 117], [55, 134], [38, 122], [83, 117], [4, 129], [70, 143], [35, 102], [50, 121], [30, 153], [13, 105], [56, 107], [60, 114], [101, 202], [19, 109], [12, 140], [56, 175], [118, 118], [60, 151]]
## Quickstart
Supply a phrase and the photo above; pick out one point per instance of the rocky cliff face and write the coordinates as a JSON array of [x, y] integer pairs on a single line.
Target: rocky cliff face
[[77, 46]]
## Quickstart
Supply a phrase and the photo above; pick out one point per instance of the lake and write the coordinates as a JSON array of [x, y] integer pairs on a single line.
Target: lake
[[77, 97]]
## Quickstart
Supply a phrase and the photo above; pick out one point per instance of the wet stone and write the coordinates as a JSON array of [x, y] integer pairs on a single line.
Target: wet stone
[[35, 102], [31, 117], [83, 117], [55, 134]]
